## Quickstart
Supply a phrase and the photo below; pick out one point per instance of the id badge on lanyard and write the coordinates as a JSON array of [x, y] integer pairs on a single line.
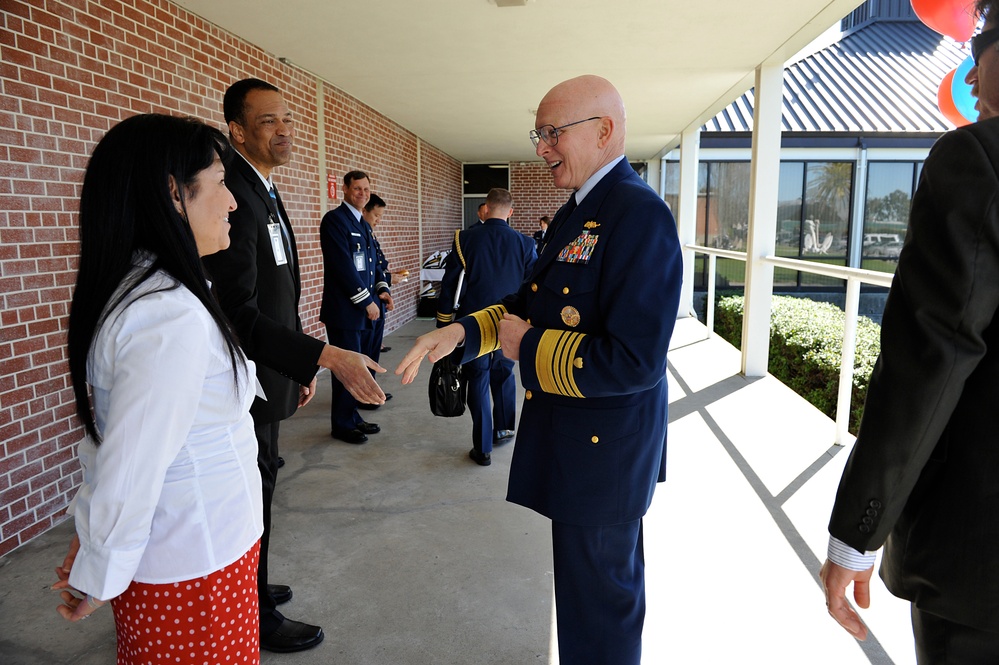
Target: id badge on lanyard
[[360, 260], [277, 242]]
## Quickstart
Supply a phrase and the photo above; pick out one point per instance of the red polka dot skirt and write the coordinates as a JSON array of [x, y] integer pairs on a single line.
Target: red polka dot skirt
[[213, 619]]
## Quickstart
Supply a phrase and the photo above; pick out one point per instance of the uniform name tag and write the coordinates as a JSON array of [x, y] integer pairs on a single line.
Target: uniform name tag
[[277, 244]]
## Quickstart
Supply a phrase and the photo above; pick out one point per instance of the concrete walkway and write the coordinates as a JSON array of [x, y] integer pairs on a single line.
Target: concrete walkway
[[407, 553]]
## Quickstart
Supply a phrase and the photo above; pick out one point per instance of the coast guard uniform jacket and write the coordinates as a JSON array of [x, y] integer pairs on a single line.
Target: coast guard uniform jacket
[[498, 260], [602, 300], [352, 274]]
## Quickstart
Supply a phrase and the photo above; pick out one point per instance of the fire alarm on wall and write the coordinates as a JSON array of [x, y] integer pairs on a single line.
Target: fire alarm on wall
[[331, 185]]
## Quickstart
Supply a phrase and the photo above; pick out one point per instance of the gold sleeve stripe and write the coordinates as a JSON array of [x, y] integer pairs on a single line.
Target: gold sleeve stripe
[[488, 320], [554, 362], [445, 318]]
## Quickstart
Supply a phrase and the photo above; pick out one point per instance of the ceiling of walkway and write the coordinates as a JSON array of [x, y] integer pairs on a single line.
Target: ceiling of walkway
[[467, 75]]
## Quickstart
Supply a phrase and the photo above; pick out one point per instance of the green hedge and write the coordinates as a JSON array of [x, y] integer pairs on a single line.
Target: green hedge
[[806, 344]]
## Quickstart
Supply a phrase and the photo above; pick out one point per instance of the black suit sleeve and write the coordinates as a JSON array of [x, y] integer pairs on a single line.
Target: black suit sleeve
[[943, 300], [271, 333]]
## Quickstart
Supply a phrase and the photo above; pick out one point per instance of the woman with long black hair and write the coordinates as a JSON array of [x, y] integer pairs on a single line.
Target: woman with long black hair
[[168, 516]]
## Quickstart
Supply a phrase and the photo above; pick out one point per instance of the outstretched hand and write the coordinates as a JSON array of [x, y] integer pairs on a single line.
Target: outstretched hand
[[352, 370], [835, 579], [435, 344]]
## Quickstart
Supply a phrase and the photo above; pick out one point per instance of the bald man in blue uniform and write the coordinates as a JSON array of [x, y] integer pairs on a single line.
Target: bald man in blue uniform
[[591, 328]]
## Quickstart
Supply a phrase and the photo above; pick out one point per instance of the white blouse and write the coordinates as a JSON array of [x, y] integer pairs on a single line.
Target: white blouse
[[173, 490]]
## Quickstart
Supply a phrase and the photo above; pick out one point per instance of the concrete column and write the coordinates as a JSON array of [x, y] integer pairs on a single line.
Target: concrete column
[[761, 242], [325, 202], [686, 216], [419, 202]]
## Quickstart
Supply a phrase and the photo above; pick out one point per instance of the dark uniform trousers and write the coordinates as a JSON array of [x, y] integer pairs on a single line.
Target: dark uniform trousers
[[491, 374], [599, 592], [343, 409]]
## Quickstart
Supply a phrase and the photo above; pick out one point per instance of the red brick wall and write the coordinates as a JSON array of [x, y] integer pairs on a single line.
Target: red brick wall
[[69, 71], [534, 195]]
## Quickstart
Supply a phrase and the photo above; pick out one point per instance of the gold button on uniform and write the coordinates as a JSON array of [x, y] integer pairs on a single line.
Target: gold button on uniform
[[565, 290], [528, 395], [534, 287], [577, 363], [595, 439]]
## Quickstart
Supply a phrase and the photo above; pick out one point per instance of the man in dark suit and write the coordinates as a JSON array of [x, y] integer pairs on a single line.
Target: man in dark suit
[[353, 282], [539, 235], [496, 260], [923, 476], [258, 285], [591, 327]]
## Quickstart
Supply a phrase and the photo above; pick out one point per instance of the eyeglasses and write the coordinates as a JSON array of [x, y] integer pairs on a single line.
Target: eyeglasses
[[549, 133], [981, 41]]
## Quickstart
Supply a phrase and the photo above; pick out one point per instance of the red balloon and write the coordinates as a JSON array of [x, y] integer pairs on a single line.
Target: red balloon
[[945, 100], [954, 18]]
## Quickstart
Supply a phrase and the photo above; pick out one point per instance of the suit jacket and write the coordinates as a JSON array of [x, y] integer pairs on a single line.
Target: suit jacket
[[497, 259], [602, 299], [261, 298], [352, 274], [923, 477]]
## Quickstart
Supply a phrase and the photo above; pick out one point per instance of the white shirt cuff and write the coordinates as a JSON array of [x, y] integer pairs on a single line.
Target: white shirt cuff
[[846, 557]]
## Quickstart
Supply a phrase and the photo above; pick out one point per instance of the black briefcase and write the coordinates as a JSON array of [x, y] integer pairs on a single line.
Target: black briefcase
[[447, 388]]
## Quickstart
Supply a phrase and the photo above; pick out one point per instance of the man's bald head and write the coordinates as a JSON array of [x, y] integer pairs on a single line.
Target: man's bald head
[[594, 108]]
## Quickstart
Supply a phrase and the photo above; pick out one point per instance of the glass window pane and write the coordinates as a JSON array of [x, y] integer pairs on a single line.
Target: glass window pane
[[729, 206], [828, 192], [789, 191], [886, 213], [671, 189], [480, 178]]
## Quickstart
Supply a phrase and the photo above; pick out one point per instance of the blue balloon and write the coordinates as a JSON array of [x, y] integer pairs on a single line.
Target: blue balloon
[[961, 91]]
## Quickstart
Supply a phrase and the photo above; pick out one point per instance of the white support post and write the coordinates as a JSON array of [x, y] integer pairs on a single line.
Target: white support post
[[690, 143], [762, 234], [709, 305], [847, 362]]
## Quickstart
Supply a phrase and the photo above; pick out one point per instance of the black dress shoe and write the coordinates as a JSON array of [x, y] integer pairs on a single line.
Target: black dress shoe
[[368, 428], [292, 636], [480, 458], [386, 348], [502, 436], [280, 462], [349, 435], [281, 593], [388, 396]]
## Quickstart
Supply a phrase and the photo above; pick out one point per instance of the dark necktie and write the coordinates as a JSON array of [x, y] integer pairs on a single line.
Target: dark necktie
[[285, 235], [562, 214]]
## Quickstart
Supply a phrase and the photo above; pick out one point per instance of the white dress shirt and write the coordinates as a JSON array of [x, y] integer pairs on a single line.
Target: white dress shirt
[[173, 490]]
